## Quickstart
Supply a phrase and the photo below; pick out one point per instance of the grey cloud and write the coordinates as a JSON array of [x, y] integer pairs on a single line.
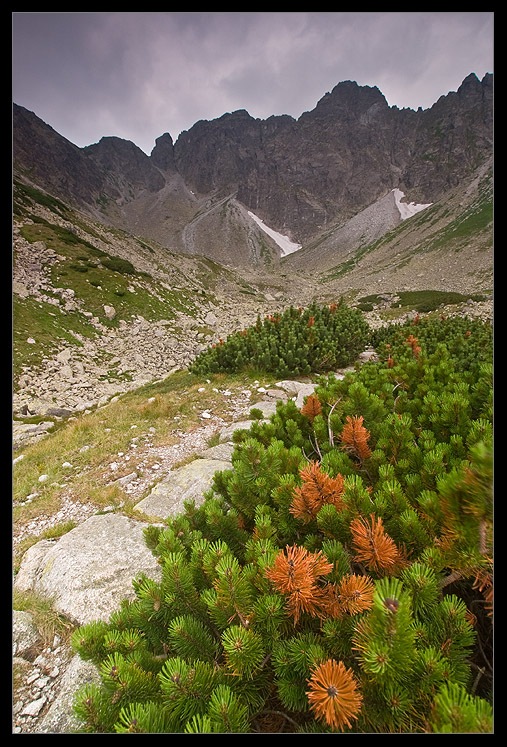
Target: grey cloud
[[136, 75]]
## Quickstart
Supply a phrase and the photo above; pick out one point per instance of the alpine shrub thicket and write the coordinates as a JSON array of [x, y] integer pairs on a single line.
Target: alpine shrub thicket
[[339, 576], [296, 342]]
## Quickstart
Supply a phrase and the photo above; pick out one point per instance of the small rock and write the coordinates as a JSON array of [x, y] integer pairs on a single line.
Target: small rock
[[35, 707]]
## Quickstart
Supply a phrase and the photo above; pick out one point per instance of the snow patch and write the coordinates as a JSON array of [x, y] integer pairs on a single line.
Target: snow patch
[[286, 245], [407, 209]]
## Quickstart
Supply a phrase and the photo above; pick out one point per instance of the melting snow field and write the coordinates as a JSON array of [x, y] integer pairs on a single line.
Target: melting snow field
[[286, 245], [407, 209]]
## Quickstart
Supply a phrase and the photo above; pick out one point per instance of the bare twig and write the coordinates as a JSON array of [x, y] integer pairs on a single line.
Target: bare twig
[[476, 681], [284, 715], [315, 445], [454, 576], [329, 429]]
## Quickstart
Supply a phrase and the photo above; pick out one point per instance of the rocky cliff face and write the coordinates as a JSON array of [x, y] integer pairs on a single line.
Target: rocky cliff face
[[302, 177], [43, 157], [453, 138], [127, 172], [332, 162]]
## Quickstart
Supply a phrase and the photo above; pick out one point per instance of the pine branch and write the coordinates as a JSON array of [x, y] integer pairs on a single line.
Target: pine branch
[[355, 437]]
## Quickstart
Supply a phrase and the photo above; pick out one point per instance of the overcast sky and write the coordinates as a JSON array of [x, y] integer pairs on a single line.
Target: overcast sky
[[139, 75]]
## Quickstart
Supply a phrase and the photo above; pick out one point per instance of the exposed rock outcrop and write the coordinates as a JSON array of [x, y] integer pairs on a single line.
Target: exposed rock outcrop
[[299, 176], [89, 569]]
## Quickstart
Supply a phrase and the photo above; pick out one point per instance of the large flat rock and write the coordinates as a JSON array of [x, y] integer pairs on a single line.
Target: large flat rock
[[189, 482], [88, 571]]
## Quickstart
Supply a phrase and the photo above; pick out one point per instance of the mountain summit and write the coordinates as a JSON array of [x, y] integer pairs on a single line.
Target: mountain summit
[[304, 179]]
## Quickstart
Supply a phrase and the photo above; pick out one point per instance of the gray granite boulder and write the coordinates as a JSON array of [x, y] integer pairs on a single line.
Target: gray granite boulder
[[189, 482], [88, 571]]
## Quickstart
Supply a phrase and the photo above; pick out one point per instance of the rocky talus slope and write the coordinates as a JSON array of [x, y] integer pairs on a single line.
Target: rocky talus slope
[[77, 375]]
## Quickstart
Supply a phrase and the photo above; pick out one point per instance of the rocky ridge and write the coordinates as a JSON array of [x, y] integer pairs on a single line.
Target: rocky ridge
[[301, 177]]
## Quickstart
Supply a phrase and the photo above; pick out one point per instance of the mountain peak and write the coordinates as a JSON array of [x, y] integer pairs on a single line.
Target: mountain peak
[[348, 96], [471, 78], [162, 154]]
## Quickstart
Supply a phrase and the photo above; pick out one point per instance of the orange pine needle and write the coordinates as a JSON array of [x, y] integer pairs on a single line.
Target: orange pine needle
[[484, 583], [311, 407], [317, 489], [355, 437], [330, 602], [290, 569], [333, 695], [296, 573], [311, 599], [355, 593], [414, 344], [373, 546]]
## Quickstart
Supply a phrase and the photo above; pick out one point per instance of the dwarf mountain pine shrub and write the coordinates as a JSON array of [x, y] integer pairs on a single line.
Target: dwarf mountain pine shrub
[[338, 578], [296, 342]]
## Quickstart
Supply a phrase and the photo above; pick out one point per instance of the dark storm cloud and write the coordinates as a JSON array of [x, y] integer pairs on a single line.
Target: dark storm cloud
[[137, 75]]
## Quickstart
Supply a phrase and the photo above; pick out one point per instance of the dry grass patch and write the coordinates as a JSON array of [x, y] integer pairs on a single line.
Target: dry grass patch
[[48, 622], [75, 459]]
